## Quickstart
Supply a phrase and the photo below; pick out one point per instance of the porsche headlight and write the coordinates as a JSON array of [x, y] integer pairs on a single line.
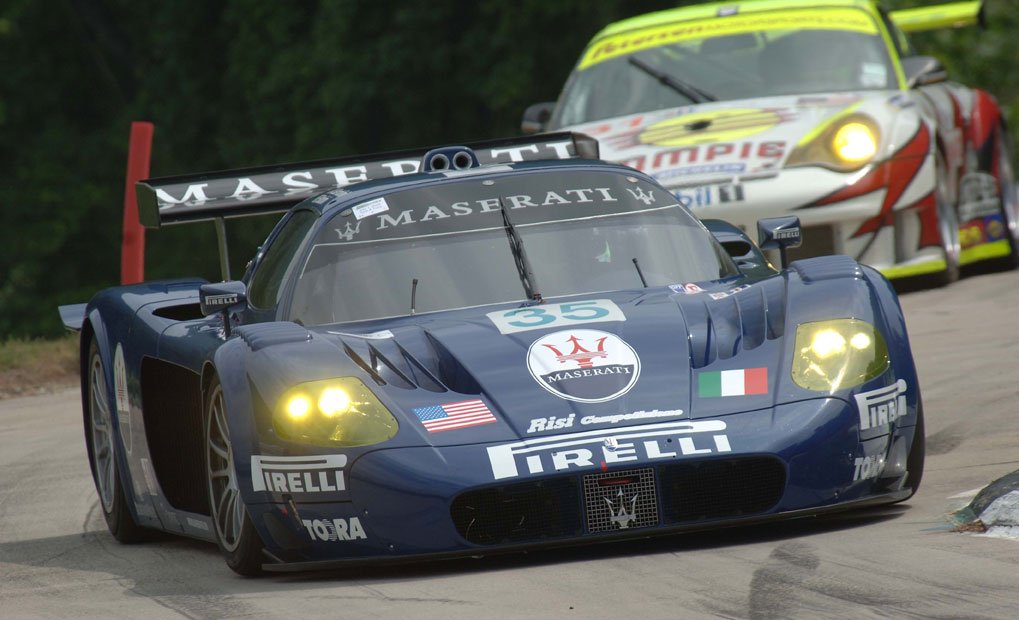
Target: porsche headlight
[[837, 354], [844, 145], [334, 413]]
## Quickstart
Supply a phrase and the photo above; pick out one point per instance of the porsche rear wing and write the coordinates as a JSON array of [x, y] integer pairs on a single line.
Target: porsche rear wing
[[954, 15], [273, 189]]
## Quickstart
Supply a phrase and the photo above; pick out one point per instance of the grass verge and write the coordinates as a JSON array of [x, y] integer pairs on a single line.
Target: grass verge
[[38, 366]]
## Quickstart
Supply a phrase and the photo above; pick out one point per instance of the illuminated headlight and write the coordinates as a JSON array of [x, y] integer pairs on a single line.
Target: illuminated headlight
[[854, 143], [845, 145], [335, 412], [837, 354]]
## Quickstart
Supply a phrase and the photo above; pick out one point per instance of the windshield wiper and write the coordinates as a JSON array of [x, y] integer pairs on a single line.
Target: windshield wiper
[[519, 256], [689, 91]]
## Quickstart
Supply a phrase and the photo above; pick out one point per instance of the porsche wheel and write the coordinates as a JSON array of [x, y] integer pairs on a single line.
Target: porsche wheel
[[102, 455], [235, 534], [948, 227], [1008, 200]]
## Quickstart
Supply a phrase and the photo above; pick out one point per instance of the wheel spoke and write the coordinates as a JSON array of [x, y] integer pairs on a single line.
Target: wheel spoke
[[230, 520], [221, 422], [220, 451], [220, 473]]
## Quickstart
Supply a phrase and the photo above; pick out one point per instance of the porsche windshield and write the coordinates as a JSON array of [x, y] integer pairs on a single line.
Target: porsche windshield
[[581, 232], [727, 58]]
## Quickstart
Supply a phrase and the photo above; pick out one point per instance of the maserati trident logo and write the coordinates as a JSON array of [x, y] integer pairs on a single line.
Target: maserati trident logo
[[583, 365], [639, 194], [621, 517], [347, 234], [583, 357]]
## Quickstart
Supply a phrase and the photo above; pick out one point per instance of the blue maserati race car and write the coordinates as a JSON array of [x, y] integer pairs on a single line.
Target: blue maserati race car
[[486, 349]]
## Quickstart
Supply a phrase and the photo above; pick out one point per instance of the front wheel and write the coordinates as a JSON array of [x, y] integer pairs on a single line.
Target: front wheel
[[102, 455], [235, 534], [1008, 200], [917, 455], [948, 227]]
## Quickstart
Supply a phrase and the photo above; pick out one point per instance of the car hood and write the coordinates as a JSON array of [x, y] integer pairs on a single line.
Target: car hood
[[595, 374], [717, 141]]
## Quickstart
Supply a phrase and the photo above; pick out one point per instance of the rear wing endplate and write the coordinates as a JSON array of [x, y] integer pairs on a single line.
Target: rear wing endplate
[[273, 189], [954, 15]]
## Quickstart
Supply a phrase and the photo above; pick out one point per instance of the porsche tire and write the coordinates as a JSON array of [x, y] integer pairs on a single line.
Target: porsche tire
[[1009, 202], [948, 227], [102, 452], [235, 534]]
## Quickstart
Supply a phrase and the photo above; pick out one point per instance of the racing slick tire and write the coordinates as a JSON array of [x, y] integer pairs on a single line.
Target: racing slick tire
[[917, 455], [102, 451], [948, 227], [1009, 202], [235, 534]]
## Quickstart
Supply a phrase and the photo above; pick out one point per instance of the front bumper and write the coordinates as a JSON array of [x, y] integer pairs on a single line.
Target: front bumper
[[793, 460]]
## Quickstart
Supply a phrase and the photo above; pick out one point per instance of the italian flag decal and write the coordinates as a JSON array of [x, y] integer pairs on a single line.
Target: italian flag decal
[[742, 382]]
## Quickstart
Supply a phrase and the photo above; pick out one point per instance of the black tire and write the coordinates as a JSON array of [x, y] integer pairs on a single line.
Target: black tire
[[1007, 200], [236, 536], [102, 451], [948, 226], [917, 455]]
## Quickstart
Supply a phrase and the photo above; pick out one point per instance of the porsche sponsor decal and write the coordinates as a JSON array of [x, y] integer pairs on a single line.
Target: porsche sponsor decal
[[883, 406], [707, 195], [298, 474], [739, 382], [555, 315], [978, 196], [121, 397], [631, 41], [602, 448], [451, 416], [716, 158], [553, 423], [335, 530], [583, 365]]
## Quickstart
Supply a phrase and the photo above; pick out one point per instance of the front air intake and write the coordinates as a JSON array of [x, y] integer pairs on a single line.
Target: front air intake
[[720, 489], [527, 512]]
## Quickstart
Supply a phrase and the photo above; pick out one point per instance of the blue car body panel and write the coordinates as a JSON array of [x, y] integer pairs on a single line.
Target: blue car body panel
[[803, 452]]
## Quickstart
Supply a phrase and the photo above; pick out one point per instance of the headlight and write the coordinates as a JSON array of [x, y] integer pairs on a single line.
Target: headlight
[[334, 413], [837, 354], [844, 145]]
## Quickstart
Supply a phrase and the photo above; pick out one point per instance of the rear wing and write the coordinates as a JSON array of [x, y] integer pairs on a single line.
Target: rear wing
[[954, 15], [274, 189]]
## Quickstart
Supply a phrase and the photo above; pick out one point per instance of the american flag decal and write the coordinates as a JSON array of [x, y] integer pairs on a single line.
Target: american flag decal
[[452, 416]]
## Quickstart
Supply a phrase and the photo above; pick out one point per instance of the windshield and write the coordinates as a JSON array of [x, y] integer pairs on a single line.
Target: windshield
[[581, 232], [742, 56]]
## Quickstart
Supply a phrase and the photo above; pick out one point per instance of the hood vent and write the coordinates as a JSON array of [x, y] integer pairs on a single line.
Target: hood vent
[[411, 359], [721, 328], [261, 335], [827, 268]]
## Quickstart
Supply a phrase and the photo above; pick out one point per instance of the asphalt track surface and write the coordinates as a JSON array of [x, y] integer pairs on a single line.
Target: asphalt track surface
[[57, 559]]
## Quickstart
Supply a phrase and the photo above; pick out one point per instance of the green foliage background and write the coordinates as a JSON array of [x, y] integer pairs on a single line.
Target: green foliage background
[[246, 82]]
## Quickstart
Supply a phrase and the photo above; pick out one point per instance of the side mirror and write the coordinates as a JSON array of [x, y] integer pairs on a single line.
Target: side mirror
[[923, 71], [536, 117], [222, 297], [779, 233]]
